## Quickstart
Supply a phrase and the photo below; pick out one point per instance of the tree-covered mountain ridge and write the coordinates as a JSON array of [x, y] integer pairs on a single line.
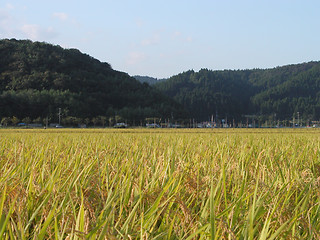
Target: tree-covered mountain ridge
[[277, 93], [37, 78]]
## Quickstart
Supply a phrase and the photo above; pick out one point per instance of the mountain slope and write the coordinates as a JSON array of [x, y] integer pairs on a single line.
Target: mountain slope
[[280, 92], [287, 90], [38, 78]]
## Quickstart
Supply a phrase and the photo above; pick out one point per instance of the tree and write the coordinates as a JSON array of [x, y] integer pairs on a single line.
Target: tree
[[103, 120], [95, 121], [111, 121], [87, 121], [38, 120], [5, 121], [26, 120], [36, 79], [15, 120], [118, 119]]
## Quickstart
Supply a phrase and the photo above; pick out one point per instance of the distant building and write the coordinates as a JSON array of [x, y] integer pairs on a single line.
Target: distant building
[[121, 125]]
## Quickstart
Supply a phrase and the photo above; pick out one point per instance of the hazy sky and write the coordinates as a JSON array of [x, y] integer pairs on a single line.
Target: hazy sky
[[164, 38]]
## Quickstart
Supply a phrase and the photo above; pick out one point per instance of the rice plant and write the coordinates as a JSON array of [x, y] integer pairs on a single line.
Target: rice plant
[[160, 184]]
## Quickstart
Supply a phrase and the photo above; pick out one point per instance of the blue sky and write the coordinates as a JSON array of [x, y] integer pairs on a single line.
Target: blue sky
[[164, 38]]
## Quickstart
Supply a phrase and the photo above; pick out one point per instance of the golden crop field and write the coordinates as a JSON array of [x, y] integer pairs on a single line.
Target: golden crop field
[[160, 184]]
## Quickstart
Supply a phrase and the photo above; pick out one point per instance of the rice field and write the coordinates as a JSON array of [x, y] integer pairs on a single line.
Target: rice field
[[160, 184]]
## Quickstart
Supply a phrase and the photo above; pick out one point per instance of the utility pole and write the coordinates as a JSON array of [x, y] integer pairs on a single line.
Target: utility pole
[[298, 120], [293, 121], [212, 120], [59, 114]]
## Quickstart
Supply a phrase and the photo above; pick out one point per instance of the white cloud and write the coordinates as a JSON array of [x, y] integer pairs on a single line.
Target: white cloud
[[176, 34], [35, 32], [67, 19], [155, 39], [31, 30], [12, 26], [9, 6], [5, 24], [189, 39], [135, 58], [60, 15], [179, 36]]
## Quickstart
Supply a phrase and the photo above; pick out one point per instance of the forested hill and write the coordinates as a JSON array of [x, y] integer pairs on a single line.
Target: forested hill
[[36, 79], [277, 93]]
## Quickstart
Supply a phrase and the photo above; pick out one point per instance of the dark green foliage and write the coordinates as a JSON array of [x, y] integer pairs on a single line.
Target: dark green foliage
[[38, 78], [280, 92], [288, 90], [223, 94]]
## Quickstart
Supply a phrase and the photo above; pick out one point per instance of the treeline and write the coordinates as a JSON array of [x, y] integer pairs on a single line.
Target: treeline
[[36, 79], [287, 90], [278, 93], [70, 121], [206, 93]]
